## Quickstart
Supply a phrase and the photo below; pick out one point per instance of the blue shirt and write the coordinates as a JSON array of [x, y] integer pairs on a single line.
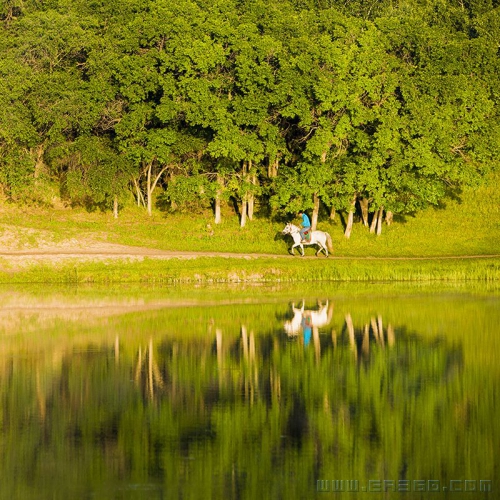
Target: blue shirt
[[305, 221], [307, 327]]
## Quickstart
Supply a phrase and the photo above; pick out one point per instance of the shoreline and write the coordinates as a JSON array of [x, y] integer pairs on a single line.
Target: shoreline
[[150, 266]]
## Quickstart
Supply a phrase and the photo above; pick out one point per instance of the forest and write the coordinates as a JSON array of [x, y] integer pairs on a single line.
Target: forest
[[376, 107]]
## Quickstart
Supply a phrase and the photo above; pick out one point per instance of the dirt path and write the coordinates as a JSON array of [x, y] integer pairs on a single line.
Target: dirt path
[[94, 251]]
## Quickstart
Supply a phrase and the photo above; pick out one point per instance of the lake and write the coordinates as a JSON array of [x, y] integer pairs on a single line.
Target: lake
[[250, 392]]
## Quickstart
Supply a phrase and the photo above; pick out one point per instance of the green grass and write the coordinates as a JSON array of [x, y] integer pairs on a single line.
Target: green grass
[[264, 270], [430, 233], [466, 227]]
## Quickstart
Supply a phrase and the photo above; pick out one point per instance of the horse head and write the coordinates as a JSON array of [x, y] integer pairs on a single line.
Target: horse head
[[289, 229]]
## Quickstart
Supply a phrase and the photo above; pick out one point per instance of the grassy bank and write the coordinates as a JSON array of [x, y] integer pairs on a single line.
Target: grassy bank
[[469, 226], [262, 270], [459, 229], [466, 226]]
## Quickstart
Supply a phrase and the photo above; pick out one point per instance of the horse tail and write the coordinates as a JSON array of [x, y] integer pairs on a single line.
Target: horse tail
[[329, 242]]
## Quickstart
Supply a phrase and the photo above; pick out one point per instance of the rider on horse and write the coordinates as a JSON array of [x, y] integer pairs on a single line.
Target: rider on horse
[[305, 225]]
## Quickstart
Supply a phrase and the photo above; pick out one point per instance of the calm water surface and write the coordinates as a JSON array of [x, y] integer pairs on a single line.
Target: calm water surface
[[378, 391]]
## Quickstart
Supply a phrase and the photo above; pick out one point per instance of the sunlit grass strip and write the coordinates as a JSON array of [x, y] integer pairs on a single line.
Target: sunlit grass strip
[[434, 232], [262, 270]]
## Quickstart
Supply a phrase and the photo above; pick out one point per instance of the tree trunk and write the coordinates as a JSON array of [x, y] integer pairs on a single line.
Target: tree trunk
[[365, 346], [375, 329], [250, 206], [244, 341], [150, 368], [117, 349], [217, 211], [333, 213], [350, 219], [379, 222], [390, 335], [388, 218], [140, 196], [151, 184], [380, 330], [251, 197], [115, 207], [314, 218], [149, 190], [352, 337], [244, 198], [317, 344], [218, 216], [244, 203], [39, 164], [220, 357], [334, 339], [272, 169], [373, 225], [363, 203]]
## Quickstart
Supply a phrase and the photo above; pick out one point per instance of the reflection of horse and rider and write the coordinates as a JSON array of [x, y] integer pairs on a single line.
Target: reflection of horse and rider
[[304, 235], [308, 320]]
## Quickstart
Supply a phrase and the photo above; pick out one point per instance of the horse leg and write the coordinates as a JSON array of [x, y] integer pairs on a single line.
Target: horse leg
[[302, 249], [325, 248], [295, 246], [321, 247]]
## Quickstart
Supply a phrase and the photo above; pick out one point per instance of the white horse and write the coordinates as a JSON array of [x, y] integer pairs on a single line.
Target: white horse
[[320, 238], [322, 316], [293, 326], [316, 318]]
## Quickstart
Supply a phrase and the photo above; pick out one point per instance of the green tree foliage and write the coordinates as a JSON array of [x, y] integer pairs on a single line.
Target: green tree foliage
[[394, 103], [17, 133]]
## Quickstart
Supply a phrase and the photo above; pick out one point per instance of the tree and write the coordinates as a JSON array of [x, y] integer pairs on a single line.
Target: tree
[[18, 137], [390, 105]]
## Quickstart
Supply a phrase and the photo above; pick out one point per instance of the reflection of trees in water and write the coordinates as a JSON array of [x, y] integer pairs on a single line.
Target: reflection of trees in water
[[306, 323], [254, 365], [147, 374], [370, 332], [316, 409], [397, 365]]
